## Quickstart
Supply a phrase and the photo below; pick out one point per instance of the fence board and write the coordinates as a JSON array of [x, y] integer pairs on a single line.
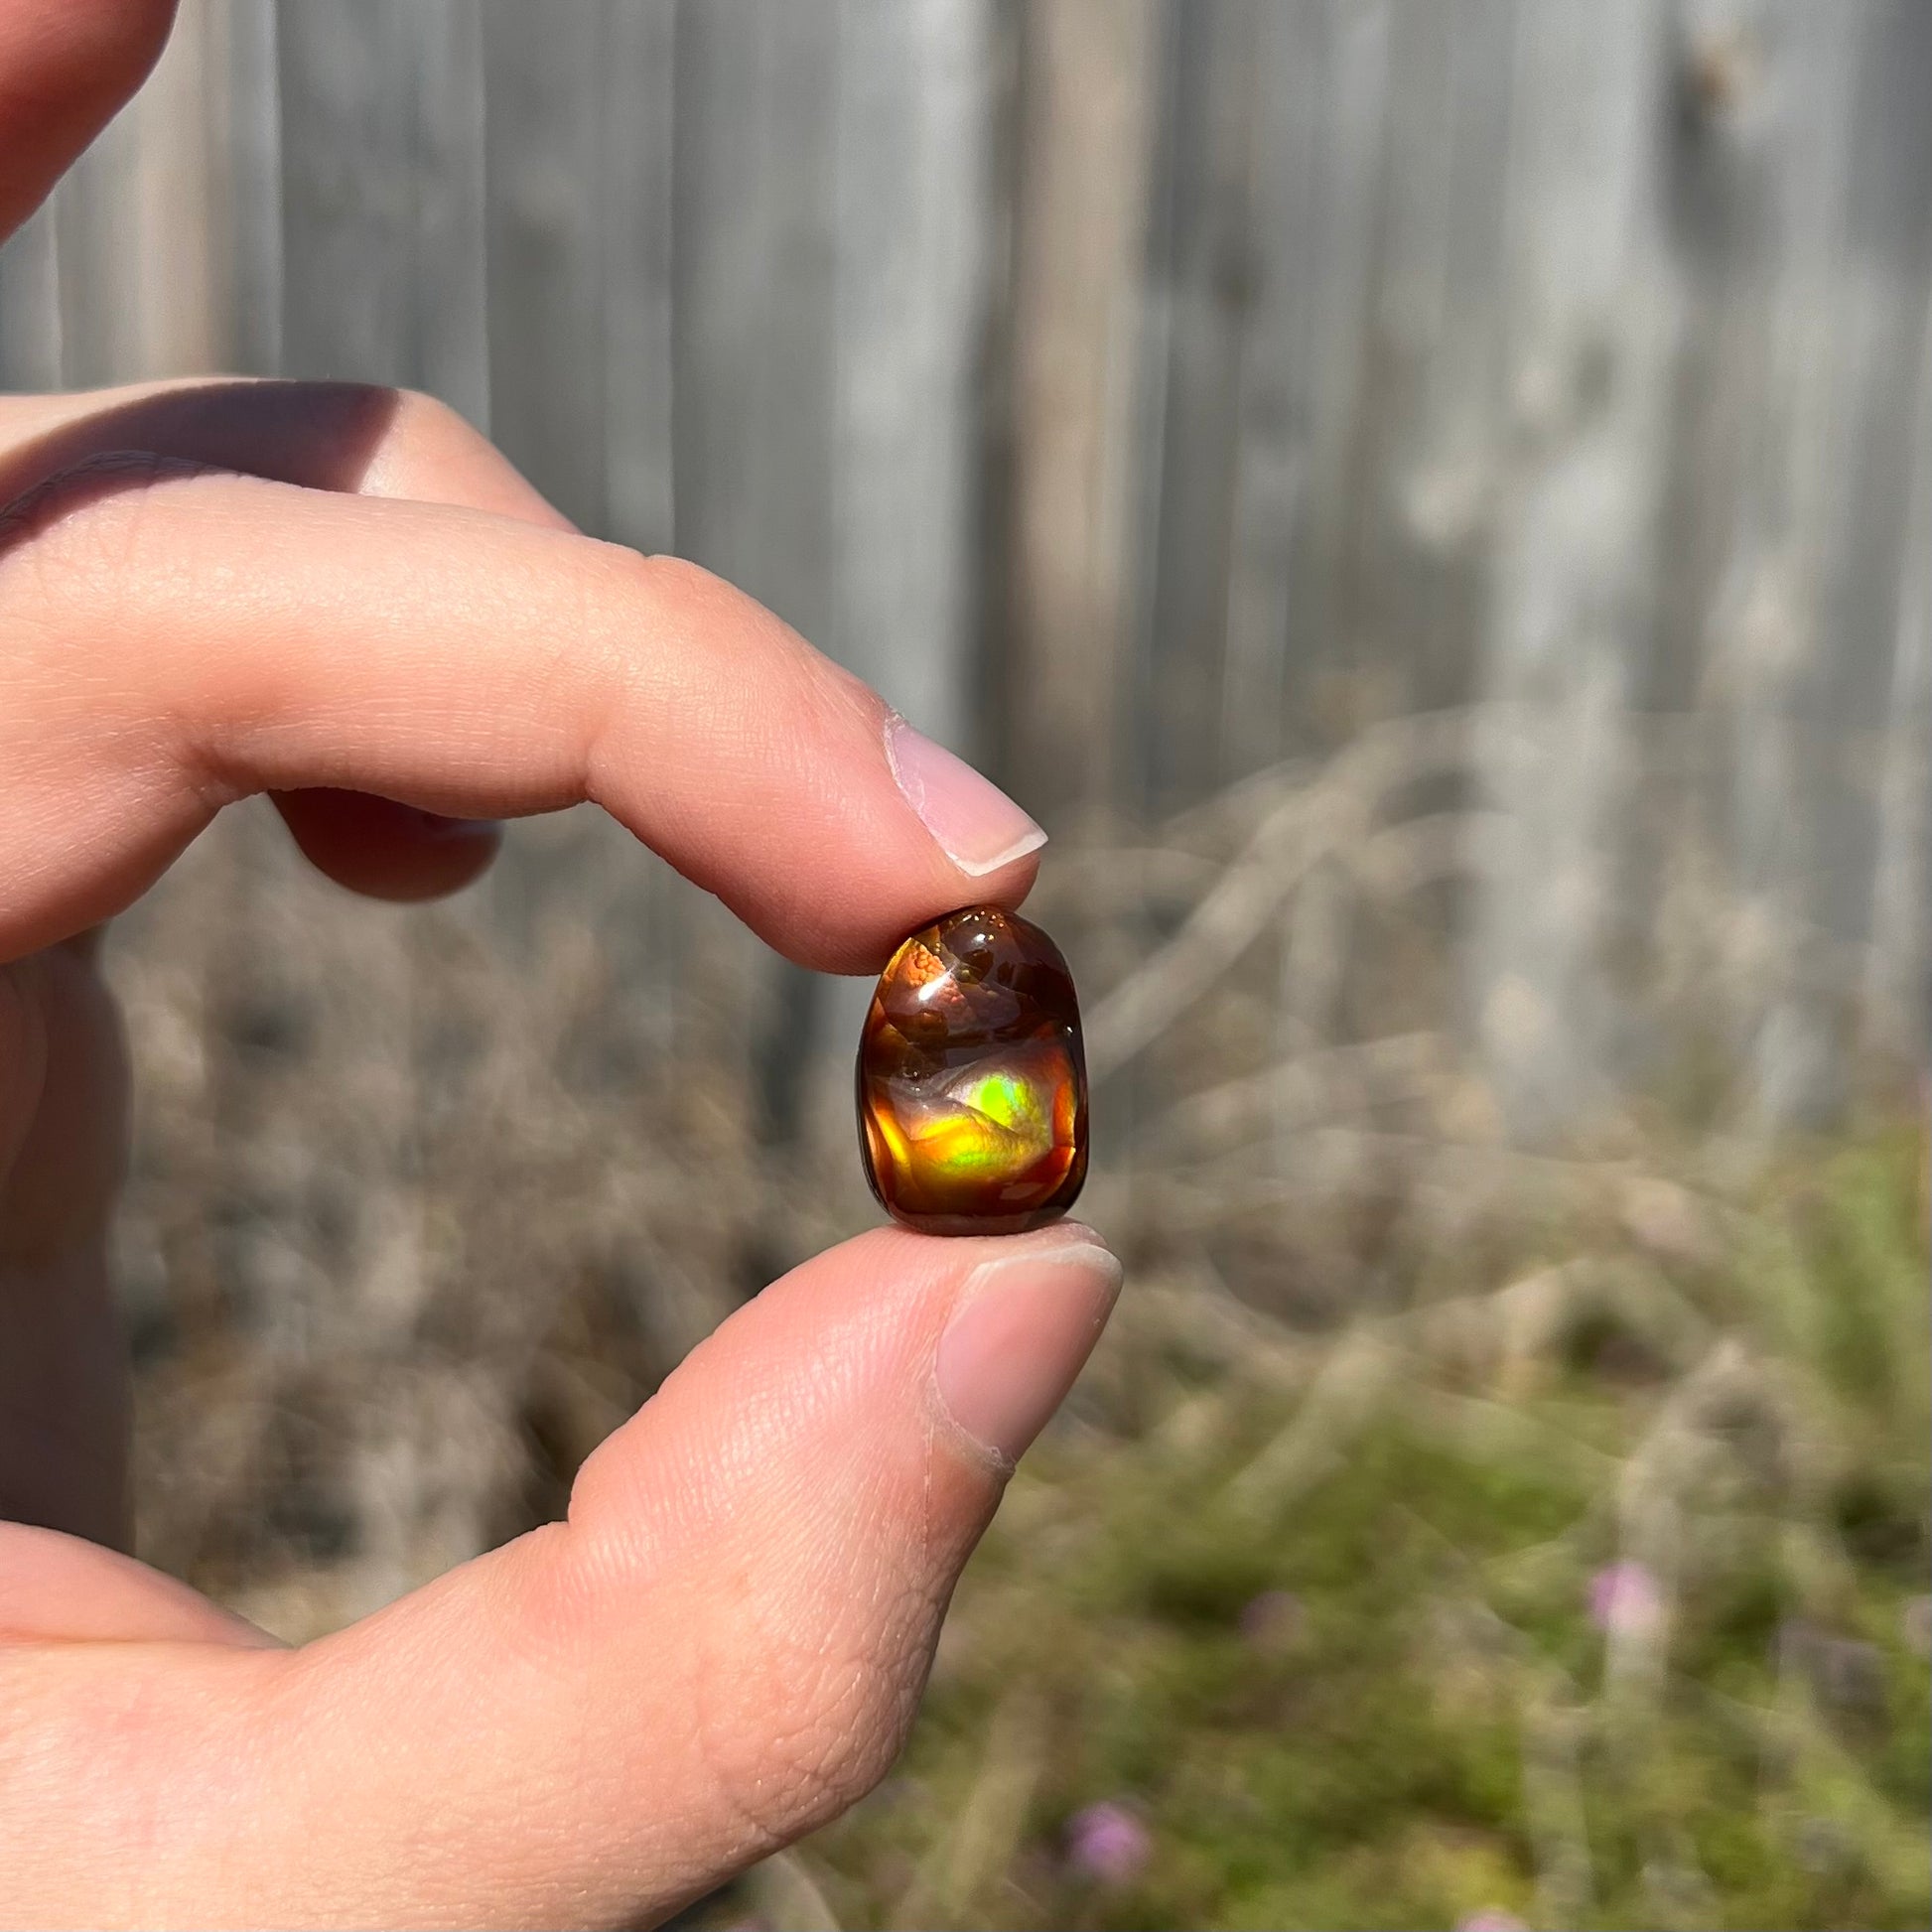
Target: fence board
[[1299, 262], [912, 231], [753, 345], [638, 104], [1867, 347], [752, 357], [245, 134], [30, 306], [545, 222], [1898, 973], [383, 196], [1331, 183], [1787, 553], [1433, 416], [1217, 263], [1086, 111], [1568, 611], [1147, 391], [140, 223], [1783, 529]]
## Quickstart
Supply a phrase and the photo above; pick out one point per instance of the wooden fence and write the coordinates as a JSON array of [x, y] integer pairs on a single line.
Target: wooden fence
[[1142, 392]]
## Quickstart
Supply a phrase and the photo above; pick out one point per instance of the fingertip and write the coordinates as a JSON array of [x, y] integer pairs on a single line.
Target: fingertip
[[66, 66], [55, 1586], [815, 811], [837, 1363], [1018, 1336], [493, 668]]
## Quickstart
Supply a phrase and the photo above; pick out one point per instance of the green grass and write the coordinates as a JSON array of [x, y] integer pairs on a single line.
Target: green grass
[[1431, 1724]]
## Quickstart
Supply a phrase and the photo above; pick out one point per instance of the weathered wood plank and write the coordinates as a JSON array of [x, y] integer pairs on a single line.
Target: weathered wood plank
[[1863, 536], [580, 129], [1803, 259], [1332, 378], [1587, 335], [383, 196], [912, 233], [1087, 102], [1331, 165], [1352, 357], [1769, 625], [753, 362], [1296, 264], [1428, 430], [30, 306], [545, 77], [638, 107], [1214, 266], [754, 311], [912, 227], [141, 247], [1898, 976], [246, 141], [1293, 159]]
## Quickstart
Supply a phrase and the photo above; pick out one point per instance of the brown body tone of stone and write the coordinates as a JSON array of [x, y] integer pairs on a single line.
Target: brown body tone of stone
[[972, 1079]]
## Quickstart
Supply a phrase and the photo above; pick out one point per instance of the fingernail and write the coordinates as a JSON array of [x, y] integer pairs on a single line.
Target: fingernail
[[1024, 1329], [976, 826]]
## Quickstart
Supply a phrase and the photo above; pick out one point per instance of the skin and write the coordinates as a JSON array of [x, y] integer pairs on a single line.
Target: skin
[[347, 599]]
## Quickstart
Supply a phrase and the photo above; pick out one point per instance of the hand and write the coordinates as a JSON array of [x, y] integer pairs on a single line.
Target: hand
[[346, 599]]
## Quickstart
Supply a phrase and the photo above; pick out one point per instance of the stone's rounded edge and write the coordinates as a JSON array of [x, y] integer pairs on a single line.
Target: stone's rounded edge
[[1068, 1191], [1033, 947], [954, 1225], [869, 1136]]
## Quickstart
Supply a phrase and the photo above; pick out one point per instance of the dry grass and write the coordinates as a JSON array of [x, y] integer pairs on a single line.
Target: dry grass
[[425, 1204], [1316, 1605]]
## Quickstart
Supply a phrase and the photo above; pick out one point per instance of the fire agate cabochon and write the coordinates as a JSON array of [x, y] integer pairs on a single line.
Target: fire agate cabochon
[[972, 1081]]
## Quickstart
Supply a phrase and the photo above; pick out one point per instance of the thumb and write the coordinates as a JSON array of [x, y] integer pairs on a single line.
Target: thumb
[[720, 1649]]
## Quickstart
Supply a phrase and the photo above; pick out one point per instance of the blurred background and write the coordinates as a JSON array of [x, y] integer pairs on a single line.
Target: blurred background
[[1432, 506]]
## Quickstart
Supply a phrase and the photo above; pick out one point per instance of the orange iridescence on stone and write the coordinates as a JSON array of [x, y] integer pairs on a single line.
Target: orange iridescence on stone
[[972, 1082]]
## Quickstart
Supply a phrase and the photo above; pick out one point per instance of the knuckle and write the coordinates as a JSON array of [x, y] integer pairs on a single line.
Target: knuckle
[[325, 433], [698, 604], [678, 578], [418, 413], [678, 601], [736, 636], [433, 441], [332, 433]]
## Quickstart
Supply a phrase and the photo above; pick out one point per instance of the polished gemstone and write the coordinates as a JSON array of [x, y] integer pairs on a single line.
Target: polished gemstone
[[972, 1082]]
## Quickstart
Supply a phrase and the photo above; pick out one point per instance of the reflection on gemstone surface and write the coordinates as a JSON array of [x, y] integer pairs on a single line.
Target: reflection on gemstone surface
[[972, 1083]]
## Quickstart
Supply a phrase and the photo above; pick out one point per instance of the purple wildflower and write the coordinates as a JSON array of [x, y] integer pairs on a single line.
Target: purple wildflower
[[1491, 1919], [1106, 1842], [1625, 1600]]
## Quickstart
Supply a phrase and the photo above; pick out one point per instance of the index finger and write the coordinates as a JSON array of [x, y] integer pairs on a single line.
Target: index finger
[[173, 638], [65, 66]]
